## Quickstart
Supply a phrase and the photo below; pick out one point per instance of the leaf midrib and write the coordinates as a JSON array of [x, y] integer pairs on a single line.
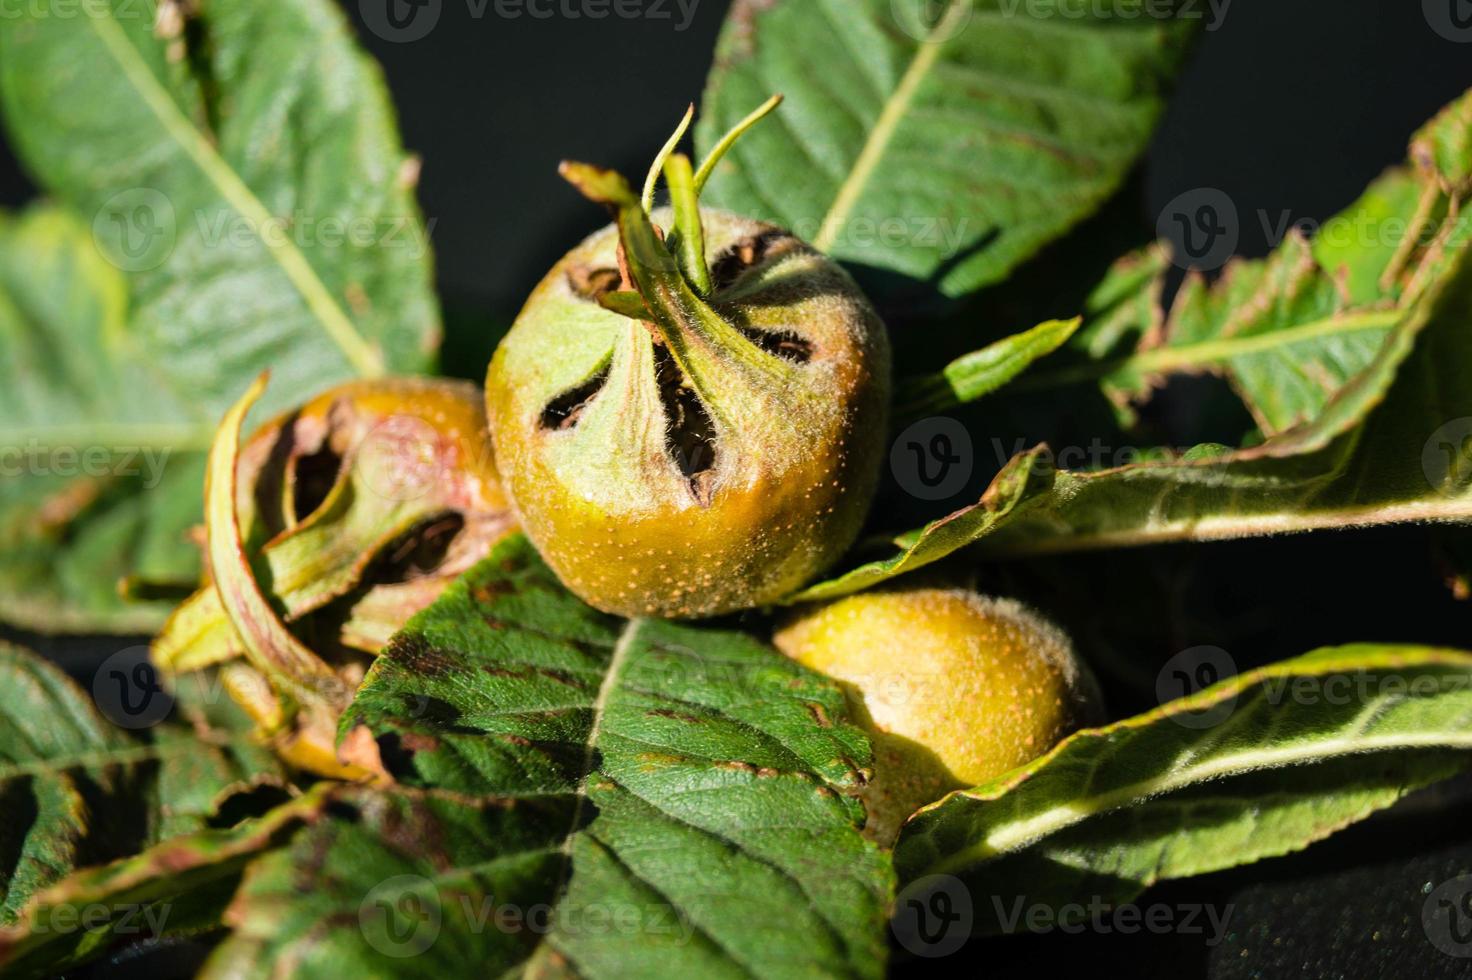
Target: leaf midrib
[[884, 127], [1014, 836], [1434, 508], [363, 356], [1207, 352], [616, 660]]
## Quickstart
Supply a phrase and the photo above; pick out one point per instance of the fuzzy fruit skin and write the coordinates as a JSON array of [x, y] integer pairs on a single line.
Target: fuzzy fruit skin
[[955, 688], [797, 446], [450, 409]]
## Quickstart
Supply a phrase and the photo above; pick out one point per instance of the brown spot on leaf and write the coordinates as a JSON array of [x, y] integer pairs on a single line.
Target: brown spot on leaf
[[558, 676], [496, 671], [416, 656], [415, 831], [742, 21], [489, 592], [675, 715]]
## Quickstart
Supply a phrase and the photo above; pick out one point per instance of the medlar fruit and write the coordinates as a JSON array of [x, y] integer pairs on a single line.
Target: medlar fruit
[[337, 521], [954, 688], [682, 437]]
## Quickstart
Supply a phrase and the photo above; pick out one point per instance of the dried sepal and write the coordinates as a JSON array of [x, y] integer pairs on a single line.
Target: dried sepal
[[332, 495]]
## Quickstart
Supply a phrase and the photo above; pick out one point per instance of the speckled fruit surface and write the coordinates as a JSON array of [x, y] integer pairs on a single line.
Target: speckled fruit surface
[[711, 458], [955, 688]]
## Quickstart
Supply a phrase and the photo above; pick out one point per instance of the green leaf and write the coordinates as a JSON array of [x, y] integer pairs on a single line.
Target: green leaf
[[91, 489], [942, 152], [690, 782], [1023, 482], [1282, 330], [1410, 459], [78, 791], [981, 372], [405, 883], [1443, 147], [236, 188], [1256, 766], [250, 154], [1391, 442], [177, 888], [66, 541], [1292, 332]]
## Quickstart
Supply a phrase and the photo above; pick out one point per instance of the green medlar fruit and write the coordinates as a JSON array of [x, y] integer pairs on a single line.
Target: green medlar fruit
[[955, 688], [682, 437]]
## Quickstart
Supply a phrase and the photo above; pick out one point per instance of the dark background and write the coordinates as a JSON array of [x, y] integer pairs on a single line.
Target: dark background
[[1290, 106]]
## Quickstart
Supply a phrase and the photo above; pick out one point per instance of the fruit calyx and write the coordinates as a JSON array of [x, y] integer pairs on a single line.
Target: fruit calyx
[[663, 280]]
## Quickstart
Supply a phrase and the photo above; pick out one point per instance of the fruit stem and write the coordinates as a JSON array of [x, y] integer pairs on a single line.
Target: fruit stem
[[646, 200], [736, 132], [687, 241]]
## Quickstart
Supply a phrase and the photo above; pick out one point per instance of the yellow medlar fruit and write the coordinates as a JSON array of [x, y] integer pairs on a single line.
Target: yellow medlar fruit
[[954, 688], [683, 438]]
